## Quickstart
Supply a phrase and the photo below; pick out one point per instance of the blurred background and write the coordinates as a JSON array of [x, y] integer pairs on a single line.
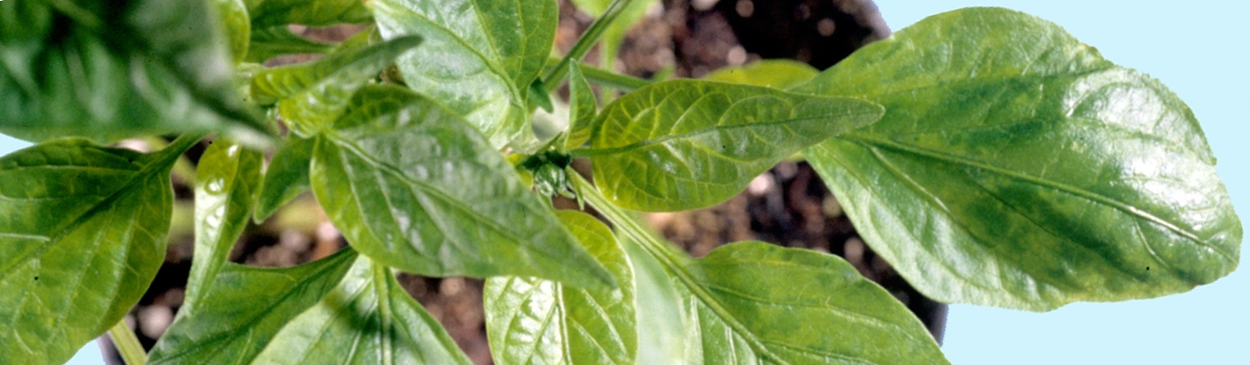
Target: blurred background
[[1196, 49]]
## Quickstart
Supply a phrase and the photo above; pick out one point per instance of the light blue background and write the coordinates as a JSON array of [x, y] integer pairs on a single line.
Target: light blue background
[[1198, 48]]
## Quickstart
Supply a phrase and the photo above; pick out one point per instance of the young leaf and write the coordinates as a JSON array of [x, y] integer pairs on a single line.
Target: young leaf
[[1016, 167], [112, 77], [238, 27], [535, 321], [82, 234], [763, 303], [778, 74], [314, 94], [414, 187], [480, 56], [227, 179], [269, 13], [286, 177], [582, 106], [273, 41], [367, 319], [752, 302], [245, 308], [687, 144]]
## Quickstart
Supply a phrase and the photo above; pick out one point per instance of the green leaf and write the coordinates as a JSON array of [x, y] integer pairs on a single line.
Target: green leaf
[[687, 144], [245, 309], [367, 319], [227, 178], [780, 74], [763, 303], [238, 27], [317, 13], [751, 302], [273, 41], [480, 56], [1018, 168], [130, 73], [314, 94], [662, 323], [82, 234], [414, 187], [535, 321], [582, 107], [286, 177]]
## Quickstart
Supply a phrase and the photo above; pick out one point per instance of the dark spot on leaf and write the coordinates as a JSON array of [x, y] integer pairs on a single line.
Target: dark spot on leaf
[[1147, 268], [36, 277]]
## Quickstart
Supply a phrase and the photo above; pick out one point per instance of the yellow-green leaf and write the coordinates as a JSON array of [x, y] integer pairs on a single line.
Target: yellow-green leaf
[[1016, 167], [687, 144]]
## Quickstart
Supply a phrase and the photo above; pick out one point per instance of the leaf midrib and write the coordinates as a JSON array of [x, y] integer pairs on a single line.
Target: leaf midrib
[[1118, 205], [490, 63], [436, 193]]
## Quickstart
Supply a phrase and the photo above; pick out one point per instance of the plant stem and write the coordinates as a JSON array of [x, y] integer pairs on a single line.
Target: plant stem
[[629, 225], [127, 344], [613, 80], [605, 78], [584, 43]]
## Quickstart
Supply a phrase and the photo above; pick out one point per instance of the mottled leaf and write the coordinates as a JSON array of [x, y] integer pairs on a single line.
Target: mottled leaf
[[268, 13], [286, 177], [367, 319], [130, 73], [759, 303], [238, 27], [687, 144], [582, 108], [535, 321], [273, 41], [479, 58], [780, 74], [414, 187], [1016, 167], [82, 234], [245, 309], [314, 94], [228, 176]]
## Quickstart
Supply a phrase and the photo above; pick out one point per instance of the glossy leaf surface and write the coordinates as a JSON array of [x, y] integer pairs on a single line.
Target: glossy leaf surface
[[413, 186], [82, 234], [238, 27], [1016, 167], [779, 74], [268, 13], [751, 302], [112, 77], [689, 144], [245, 309], [480, 56], [535, 321], [286, 177], [314, 94], [226, 181], [582, 108], [266, 43], [760, 303], [367, 319]]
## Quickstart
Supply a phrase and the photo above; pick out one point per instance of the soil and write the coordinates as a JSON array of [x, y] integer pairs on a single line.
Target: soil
[[788, 205]]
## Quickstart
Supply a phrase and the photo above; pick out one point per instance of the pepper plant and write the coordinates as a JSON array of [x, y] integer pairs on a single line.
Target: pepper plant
[[988, 155]]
